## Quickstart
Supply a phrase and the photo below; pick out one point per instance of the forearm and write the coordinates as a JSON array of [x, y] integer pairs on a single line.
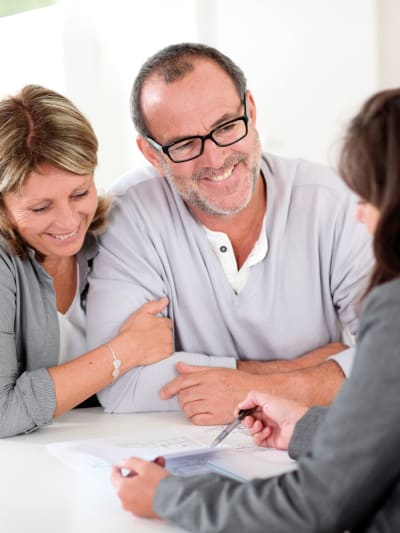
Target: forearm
[[316, 385], [309, 359], [228, 505], [81, 378], [86, 375], [139, 389]]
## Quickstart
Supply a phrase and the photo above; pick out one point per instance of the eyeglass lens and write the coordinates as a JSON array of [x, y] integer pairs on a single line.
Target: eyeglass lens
[[225, 135]]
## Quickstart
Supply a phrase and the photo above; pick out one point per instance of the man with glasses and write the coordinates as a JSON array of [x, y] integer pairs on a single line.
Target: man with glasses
[[259, 255], [192, 147]]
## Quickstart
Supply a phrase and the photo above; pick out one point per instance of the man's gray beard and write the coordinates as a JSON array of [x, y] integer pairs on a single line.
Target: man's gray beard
[[192, 198]]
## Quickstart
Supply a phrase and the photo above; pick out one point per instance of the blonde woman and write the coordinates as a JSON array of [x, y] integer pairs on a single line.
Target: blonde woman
[[49, 216]]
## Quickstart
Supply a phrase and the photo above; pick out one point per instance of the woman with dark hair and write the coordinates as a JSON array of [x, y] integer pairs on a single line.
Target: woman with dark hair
[[348, 475], [49, 216]]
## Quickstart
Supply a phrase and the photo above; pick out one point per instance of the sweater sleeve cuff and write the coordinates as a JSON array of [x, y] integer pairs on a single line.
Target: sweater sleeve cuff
[[40, 398], [225, 362], [200, 359], [345, 360]]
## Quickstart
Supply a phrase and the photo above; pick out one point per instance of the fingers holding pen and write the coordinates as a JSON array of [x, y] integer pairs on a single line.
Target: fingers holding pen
[[272, 424], [137, 488]]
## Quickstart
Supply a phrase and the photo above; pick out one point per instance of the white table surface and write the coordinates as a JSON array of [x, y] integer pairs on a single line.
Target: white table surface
[[39, 493]]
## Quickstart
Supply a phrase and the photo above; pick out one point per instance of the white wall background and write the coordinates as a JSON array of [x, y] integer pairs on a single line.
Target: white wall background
[[309, 63]]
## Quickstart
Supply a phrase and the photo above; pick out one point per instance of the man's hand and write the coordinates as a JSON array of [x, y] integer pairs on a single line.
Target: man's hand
[[136, 490], [273, 422], [209, 395]]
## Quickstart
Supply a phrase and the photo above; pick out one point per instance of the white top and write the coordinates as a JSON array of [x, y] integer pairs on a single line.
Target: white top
[[72, 326], [223, 249]]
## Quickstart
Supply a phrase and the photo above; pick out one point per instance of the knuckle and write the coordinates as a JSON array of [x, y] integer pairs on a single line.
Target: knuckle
[[200, 419], [184, 404]]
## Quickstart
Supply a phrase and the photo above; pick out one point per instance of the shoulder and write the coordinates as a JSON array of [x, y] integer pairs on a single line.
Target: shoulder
[[383, 300], [147, 175], [14, 270], [306, 175], [312, 193], [143, 188], [23, 269], [8, 260], [143, 196], [380, 313], [378, 336]]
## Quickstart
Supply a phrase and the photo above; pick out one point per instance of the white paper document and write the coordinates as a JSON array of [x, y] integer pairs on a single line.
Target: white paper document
[[185, 454]]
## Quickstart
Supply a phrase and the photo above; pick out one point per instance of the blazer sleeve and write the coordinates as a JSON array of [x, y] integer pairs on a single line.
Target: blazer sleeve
[[304, 431], [351, 474]]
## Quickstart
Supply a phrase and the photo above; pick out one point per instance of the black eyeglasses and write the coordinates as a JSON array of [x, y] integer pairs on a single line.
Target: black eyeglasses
[[189, 148]]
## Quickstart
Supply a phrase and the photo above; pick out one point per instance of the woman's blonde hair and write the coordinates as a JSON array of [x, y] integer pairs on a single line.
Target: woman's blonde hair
[[40, 126]]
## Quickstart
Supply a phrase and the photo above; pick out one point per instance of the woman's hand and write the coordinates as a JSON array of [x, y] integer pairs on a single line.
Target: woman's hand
[[273, 422], [144, 338]]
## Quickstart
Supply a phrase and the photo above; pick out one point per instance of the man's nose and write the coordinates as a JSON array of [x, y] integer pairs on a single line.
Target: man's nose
[[213, 155]]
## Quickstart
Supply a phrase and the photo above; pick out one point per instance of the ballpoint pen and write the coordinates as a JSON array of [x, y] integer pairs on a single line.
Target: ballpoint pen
[[228, 430]]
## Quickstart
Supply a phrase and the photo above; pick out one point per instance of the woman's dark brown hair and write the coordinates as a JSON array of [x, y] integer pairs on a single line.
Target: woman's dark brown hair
[[370, 165]]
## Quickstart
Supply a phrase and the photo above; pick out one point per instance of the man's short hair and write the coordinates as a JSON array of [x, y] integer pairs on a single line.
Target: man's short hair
[[173, 63]]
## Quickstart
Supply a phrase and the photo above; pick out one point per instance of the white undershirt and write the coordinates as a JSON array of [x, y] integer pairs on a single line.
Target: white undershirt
[[223, 249], [72, 329]]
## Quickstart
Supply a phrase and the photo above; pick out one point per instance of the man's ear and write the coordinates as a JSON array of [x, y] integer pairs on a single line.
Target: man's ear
[[149, 153], [251, 107]]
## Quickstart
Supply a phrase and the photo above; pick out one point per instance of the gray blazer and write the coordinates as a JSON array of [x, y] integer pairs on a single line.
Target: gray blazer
[[348, 478], [29, 338]]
